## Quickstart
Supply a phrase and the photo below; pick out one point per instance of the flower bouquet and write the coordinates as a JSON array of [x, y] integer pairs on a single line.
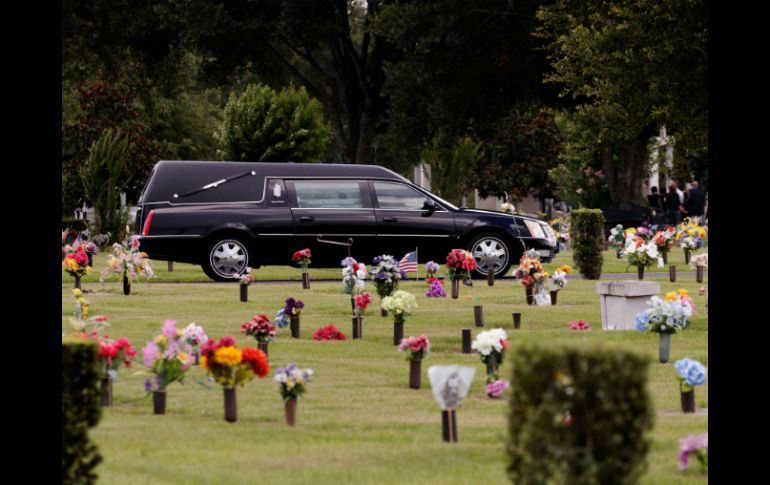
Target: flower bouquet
[[230, 366], [664, 241], [666, 317], [617, 240], [385, 274], [490, 345], [353, 276], [289, 315], [245, 280], [81, 304], [697, 445], [101, 240], [418, 348], [91, 249], [641, 254], [561, 230], [579, 325], [293, 382], [436, 286], [127, 261], [496, 388], [361, 302], [303, 259], [460, 264], [559, 280], [168, 357], [400, 304], [690, 237], [76, 262], [262, 329], [690, 373], [112, 353], [329, 332], [507, 207], [699, 262], [531, 274], [195, 336]]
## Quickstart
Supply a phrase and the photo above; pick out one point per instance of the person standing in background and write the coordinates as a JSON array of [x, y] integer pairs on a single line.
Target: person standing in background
[[695, 202], [655, 201], [672, 204]]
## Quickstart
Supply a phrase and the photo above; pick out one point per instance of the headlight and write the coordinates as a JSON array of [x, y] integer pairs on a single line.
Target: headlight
[[549, 234], [535, 230]]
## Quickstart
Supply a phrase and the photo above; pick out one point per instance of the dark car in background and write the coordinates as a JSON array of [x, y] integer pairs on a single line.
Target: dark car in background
[[227, 216]]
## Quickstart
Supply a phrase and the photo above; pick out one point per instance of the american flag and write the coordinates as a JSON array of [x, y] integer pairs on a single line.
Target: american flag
[[408, 262]]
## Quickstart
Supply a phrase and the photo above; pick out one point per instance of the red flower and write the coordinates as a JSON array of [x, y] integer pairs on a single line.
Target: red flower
[[300, 255], [527, 280], [257, 359], [226, 342], [362, 300], [329, 333]]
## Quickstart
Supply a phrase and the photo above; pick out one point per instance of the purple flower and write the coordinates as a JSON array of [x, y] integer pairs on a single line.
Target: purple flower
[[431, 266], [149, 352], [690, 445], [435, 290], [495, 389], [169, 328], [147, 385]]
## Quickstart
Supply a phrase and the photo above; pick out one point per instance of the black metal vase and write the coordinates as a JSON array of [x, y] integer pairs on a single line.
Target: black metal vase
[[106, 391], [449, 425], [554, 294], [478, 315], [159, 402], [231, 405], [415, 374], [294, 326], [528, 291], [688, 401], [398, 332], [305, 281], [455, 289], [126, 286], [244, 293], [357, 327]]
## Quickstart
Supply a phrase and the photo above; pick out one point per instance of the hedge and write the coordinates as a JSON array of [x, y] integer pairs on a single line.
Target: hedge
[[578, 416], [80, 410], [587, 233]]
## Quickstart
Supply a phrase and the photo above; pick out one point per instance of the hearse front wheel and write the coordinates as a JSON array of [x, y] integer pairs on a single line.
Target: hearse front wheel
[[490, 251], [226, 259]]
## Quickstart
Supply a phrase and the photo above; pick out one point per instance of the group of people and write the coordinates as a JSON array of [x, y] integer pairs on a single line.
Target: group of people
[[675, 205]]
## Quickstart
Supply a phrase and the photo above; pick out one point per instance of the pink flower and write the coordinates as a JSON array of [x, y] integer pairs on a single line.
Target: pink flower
[[579, 325], [100, 318], [496, 388], [169, 328]]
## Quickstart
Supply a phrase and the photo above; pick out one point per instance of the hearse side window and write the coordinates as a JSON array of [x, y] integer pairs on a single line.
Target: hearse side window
[[328, 194], [398, 196], [276, 194]]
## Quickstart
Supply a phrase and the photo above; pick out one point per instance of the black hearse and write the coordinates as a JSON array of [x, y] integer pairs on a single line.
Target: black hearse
[[226, 216]]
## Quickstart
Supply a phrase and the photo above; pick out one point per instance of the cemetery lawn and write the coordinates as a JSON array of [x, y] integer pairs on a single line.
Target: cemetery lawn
[[359, 422]]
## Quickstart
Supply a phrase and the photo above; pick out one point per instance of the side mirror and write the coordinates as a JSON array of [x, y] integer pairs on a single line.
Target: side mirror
[[429, 205]]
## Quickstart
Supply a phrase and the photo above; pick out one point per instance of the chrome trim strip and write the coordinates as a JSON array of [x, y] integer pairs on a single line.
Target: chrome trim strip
[[412, 210], [331, 208], [169, 235]]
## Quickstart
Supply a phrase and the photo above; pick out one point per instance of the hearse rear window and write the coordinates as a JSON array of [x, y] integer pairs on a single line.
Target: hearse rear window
[[328, 194]]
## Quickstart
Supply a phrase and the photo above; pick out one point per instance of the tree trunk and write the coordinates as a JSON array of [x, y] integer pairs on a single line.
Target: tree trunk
[[624, 167]]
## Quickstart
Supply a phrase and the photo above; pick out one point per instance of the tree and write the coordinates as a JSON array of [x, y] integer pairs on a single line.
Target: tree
[[633, 65], [452, 167], [267, 126], [103, 181]]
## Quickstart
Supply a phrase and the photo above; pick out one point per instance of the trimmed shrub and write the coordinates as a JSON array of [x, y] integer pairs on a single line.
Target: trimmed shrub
[[587, 232], [578, 416], [80, 410]]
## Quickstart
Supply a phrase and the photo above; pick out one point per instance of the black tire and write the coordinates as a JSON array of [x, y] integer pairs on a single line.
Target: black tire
[[226, 259], [490, 248]]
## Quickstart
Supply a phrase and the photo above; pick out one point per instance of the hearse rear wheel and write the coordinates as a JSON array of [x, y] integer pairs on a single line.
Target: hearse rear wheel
[[226, 259]]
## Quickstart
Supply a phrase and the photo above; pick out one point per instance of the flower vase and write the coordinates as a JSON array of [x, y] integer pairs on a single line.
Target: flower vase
[[290, 410], [492, 365], [466, 333], [672, 273], [449, 425], [383, 312], [231, 405], [664, 348], [77, 282], [699, 274], [197, 355], [398, 332], [357, 327], [90, 260], [106, 388], [491, 277], [294, 326], [126, 286], [478, 315], [688, 401], [305, 280], [244, 293], [640, 272], [263, 347], [530, 295], [554, 293], [686, 256], [415, 373], [170, 266], [665, 257], [455, 289], [159, 402], [517, 320]]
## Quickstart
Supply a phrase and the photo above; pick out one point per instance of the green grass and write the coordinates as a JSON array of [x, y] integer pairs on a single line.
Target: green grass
[[359, 421]]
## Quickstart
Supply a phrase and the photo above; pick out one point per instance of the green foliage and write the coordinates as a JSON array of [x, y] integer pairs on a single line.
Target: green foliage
[[80, 410], [452, 167], [263, 125], [579, 416], [102, 179], [587, 232], [76, 224]]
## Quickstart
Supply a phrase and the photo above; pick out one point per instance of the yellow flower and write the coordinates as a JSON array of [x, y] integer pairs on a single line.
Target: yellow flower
[[671, 296], [565, 268], [227, 356], [161, 340], [183, 357], [179, 332], [289, 385], [77, 293], [204, 363], [683, 292], [546, 274]]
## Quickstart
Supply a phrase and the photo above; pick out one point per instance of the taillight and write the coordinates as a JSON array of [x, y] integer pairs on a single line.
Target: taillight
[[147, 222]]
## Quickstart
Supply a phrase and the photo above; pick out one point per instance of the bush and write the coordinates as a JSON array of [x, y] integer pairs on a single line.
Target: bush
[[76, 224], [80, 410], [578, 416], [264, 126], [587, 232]]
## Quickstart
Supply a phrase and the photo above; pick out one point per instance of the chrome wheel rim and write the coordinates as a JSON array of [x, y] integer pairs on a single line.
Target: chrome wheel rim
[[490, 253], [229, 259]]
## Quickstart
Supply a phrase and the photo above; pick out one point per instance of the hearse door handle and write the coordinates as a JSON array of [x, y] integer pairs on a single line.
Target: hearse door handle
[[306, 219], [389, 219]]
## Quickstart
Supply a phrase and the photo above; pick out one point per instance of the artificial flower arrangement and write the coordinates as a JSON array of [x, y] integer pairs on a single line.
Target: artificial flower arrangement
[[230, 366], [168, 357], [260, 327], [644, 232], [690, 373], [460, 263], [697, 445], [102, 239], [664, 240], [302, 258], [699, 261], [353, 275], [246, 278], [640, 253], [128, 261], [81, 304], [561, 230], [617, 240], [292, 383], [385, 274], [91, 249], [361, 301], [507, 207], [329, 332], [579, 325], [559, 277], [400, 303], [691, 237], [195, 336], [666, 316], [491, 344], [76, 261], [292, 308], [496, 388], [530, 271], [418, 347], [436, 286]]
